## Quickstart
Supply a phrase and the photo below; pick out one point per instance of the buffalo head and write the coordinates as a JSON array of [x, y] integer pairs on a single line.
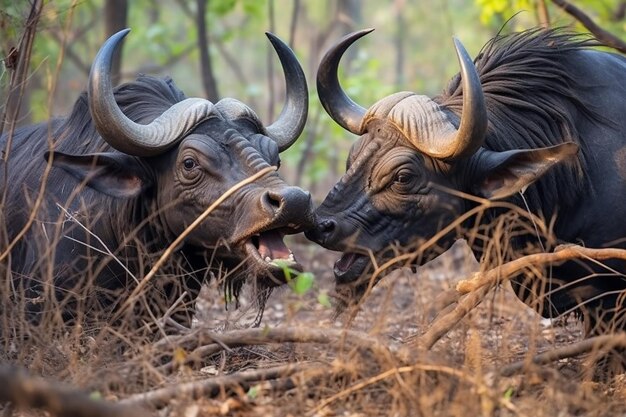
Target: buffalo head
[[180, 162], [411, 152]]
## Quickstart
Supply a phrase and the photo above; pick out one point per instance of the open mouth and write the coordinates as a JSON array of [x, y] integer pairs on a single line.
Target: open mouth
[[350, 267], [268, 250]]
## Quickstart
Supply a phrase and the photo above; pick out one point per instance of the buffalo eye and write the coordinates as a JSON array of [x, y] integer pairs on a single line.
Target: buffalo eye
[[189, 164], [402, 178], [403, 181]]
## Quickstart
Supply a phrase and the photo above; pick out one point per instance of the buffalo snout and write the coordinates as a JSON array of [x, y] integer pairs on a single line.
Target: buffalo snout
[[291, 206], [329, 233]]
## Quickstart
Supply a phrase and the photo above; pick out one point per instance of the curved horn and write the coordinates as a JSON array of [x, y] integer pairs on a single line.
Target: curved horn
[[473, 126], [122, 133], [337, 104], [290, 123]]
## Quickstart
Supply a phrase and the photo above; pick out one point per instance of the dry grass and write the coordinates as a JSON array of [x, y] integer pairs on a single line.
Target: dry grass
[[413, 346], [303, 362]]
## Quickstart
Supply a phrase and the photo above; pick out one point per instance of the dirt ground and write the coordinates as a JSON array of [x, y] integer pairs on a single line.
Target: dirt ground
[[352, 376], [502, 330]]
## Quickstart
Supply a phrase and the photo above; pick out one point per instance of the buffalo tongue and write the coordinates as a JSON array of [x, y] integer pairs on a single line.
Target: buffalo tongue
[[271, 246]]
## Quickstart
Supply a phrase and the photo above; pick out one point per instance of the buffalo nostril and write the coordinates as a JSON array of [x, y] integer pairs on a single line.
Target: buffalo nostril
[[327, 226], [272, 201]]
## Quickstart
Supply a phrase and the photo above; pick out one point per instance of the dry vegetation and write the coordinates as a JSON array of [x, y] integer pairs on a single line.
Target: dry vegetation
[[415, 346]]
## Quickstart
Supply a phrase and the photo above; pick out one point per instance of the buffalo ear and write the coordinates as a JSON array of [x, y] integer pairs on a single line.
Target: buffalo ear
[[114, 174], [502, 174]]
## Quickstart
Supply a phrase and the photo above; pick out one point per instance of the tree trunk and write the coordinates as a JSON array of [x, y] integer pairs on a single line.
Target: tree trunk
[[17, 63], [206, 65], [542, 14], [400, 37], [115, 19], [271, 102]]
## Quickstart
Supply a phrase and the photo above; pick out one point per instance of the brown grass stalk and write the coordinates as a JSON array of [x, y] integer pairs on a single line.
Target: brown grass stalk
[[480, 385]]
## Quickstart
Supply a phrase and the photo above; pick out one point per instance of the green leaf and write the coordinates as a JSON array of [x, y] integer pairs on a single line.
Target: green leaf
[[253, 392], [95, 395], [284, 265], [303, 283], [323, 299]]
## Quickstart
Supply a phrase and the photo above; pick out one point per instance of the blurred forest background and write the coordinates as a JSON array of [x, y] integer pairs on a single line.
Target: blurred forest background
[[216, 48]]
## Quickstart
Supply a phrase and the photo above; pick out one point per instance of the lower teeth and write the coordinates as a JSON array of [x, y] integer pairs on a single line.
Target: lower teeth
[[290, 258]]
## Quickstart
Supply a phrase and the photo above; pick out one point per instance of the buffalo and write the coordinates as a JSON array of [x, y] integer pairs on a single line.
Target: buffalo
[[535, 124], [93, 199]]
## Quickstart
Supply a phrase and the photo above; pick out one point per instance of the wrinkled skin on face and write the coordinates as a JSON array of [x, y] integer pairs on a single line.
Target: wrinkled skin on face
[[245, 232], [385, 196], [247, 229], [393, 196]]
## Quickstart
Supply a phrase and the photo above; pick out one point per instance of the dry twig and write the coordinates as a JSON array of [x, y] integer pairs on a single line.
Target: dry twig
[[258, 336], [598, 343], [560, 254], [601, 34], [444, 324], [481, 282]]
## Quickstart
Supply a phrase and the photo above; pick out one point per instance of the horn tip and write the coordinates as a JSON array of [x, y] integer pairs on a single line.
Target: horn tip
[[276, 41], [457, 43], [360, 33], [123, 32]]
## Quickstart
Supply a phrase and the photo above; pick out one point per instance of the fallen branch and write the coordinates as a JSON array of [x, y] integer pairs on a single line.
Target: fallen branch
[[604, 36], [478, 286], [560, 254], [444, 324], [598, 343], [25, 391], [213, 386], [258, 336]]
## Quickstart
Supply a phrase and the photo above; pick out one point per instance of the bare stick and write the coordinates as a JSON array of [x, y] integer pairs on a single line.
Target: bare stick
[[211, 387], [601, 34], [444, 324], [258, 336], [481, 282], [560, 254], [25, 391], [598, 343]]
